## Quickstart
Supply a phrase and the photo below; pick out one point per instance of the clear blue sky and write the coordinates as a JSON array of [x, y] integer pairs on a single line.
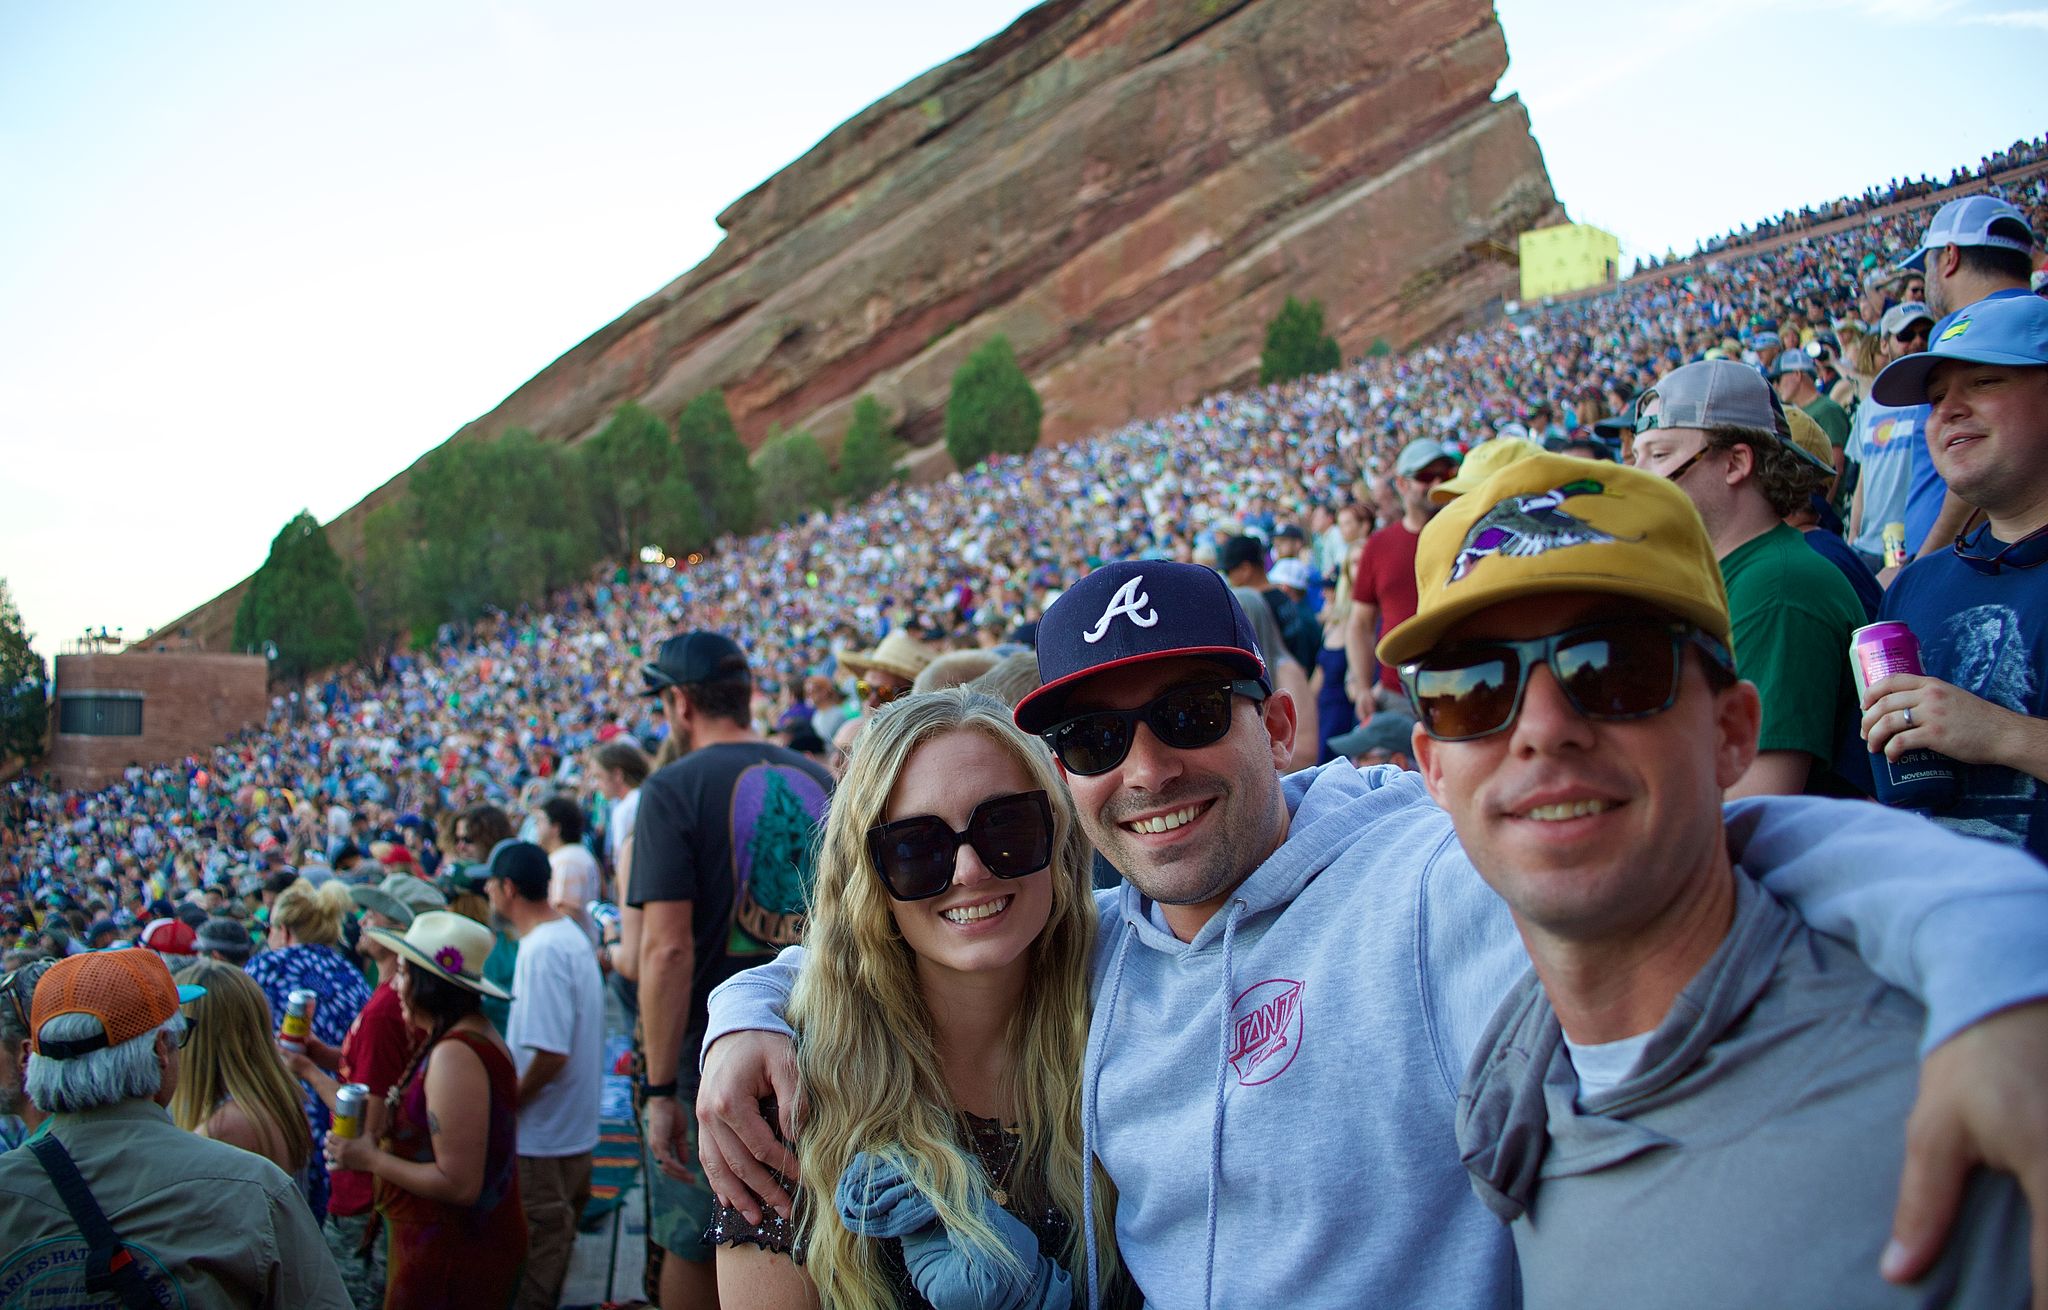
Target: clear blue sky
[[257, 257]]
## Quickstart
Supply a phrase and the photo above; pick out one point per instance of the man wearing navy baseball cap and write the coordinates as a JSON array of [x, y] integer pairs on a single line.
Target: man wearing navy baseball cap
[[1980, 605], [1294, 974], [1978, 247]]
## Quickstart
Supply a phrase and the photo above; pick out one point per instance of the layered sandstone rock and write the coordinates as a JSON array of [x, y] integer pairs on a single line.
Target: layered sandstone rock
[[1126, 188]]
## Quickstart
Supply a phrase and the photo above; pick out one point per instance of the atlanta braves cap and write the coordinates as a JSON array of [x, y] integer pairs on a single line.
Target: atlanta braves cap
[[1979, 220], [1131, 612], [2007, 330]]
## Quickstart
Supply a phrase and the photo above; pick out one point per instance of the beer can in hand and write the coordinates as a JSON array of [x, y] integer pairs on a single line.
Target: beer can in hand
[[348, 1110], [298, 1020], [1917, 780]]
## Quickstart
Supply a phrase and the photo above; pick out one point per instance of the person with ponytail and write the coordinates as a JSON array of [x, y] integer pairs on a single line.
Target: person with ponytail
[[941, 1015], [231, 1086], [446, 1165], [305, 953]]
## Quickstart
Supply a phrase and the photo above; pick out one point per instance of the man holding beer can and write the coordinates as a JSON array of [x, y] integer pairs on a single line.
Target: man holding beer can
[[1979, 607]]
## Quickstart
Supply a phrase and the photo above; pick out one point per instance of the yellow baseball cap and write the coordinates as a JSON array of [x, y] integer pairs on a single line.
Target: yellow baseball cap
[[1482, 462], [1552, 523]]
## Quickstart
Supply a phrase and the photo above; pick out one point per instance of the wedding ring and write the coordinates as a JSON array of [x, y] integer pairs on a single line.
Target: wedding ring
[[1909, 715]]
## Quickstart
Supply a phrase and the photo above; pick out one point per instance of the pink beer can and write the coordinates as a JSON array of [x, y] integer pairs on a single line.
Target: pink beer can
[[1919, 779]]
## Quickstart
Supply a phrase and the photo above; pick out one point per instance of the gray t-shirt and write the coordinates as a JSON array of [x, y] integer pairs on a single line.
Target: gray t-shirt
[[1751, 1158]]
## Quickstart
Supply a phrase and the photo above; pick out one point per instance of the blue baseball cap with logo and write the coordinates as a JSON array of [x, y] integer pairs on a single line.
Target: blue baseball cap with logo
[[2007, 330], [1131, 612], [1979, 220]]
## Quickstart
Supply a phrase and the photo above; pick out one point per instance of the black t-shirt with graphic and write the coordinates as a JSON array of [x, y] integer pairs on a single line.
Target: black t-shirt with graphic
[[730, 827]]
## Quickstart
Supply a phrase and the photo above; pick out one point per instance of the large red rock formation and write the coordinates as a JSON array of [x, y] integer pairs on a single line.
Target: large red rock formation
[[1126, 188]]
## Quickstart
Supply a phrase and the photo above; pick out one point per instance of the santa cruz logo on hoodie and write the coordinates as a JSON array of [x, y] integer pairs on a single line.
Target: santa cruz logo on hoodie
[[1265, 1027]]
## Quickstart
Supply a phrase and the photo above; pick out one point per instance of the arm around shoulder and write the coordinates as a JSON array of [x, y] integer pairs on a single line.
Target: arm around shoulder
[[1959, 923]]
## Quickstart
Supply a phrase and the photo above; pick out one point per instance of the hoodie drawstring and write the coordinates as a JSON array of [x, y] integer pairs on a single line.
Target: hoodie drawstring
[[1116, 983], [1237, 908]]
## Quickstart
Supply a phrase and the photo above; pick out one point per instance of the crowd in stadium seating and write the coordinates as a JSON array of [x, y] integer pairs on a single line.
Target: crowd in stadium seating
[[391, 770]]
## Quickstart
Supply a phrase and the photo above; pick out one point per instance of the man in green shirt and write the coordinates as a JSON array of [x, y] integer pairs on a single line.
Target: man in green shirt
[[1717, 430], [1796, 376]]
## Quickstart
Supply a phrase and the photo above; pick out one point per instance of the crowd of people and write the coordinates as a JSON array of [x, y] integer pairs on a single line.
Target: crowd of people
[[377, 942], [1898, 191]]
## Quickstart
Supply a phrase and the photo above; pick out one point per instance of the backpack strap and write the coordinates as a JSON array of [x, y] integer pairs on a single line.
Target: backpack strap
[[109, 1266]]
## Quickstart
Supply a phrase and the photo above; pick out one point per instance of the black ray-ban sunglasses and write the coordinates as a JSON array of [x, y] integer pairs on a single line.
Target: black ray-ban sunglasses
[[1185, 718], [915, 856], [1610, 671]]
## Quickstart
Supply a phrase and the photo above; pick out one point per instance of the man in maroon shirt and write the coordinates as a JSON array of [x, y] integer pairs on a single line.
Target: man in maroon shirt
[[1383, 590]]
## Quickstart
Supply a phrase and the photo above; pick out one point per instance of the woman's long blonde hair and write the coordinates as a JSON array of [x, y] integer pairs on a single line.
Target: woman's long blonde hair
[[866, 1058], [230, 1054], [313, 915]]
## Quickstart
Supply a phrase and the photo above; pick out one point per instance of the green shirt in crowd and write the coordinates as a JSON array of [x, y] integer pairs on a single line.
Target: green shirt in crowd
[[1833, 420], [1793, 612]]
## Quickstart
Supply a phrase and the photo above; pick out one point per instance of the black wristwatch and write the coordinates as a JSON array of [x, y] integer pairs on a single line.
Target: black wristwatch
[[651, 1090]]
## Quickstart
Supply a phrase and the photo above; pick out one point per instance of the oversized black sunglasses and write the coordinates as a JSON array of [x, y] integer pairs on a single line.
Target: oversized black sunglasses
[[915, 856], [1185, 717], [1611, 671]]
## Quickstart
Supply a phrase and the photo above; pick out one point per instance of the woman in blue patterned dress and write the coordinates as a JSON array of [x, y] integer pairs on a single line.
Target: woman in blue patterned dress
[[305, 952]]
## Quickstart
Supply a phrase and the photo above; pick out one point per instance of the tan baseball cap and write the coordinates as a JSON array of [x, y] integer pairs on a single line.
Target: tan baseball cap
[[1551, 524]]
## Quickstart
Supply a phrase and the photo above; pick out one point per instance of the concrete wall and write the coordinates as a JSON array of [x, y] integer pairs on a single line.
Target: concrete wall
[[191, 702]]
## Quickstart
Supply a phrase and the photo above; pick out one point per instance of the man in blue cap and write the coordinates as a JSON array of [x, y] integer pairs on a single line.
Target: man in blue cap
[[1976, 248], [1980, 606]]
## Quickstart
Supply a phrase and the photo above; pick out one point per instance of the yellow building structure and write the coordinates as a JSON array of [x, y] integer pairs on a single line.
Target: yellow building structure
[[1567, 258]]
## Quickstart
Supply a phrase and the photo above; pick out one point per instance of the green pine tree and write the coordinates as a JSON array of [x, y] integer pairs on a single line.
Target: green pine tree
[[24, 711], [794, 476], [868, 454], [300, 602], [992, 409], [714, 463], [1296, 345], [625, 465]]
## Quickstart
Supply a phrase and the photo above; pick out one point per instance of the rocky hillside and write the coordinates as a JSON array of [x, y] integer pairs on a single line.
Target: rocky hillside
[[1126, 188]]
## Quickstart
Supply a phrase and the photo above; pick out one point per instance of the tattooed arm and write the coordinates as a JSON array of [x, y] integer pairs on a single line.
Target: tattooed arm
[[458, 1088]]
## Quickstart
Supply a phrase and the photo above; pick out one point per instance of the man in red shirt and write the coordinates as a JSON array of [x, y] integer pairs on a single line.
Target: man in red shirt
[[1383, 590]]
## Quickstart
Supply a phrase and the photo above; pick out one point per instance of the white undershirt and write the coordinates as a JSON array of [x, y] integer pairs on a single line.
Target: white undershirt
[[1604, 1064]]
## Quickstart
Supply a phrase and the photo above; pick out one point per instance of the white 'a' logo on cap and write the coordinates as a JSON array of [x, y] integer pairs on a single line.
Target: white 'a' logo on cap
[[1129, 602]]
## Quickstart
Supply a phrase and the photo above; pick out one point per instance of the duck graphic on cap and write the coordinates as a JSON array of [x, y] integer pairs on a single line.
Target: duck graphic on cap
[[1529, 525]]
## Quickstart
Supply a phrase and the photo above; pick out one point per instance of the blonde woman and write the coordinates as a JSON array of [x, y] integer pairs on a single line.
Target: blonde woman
[[231, 1085], [305, 954], [941, 1013]]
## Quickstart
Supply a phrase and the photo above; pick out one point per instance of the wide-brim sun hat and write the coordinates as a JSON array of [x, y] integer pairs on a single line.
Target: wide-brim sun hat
[[898, 653], [450, 946]]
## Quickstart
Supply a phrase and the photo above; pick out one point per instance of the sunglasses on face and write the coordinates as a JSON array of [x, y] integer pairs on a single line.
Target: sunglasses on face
[[1610, 671], [875, 694], [1183, 718], [1012, 836]]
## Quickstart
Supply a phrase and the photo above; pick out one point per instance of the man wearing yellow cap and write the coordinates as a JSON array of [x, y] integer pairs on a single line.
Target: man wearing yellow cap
[[109, 1203], [1692, 1099]]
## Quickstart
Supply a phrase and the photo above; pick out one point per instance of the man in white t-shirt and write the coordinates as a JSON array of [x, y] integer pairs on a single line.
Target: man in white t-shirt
[[556, 1034], [559, 824]]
